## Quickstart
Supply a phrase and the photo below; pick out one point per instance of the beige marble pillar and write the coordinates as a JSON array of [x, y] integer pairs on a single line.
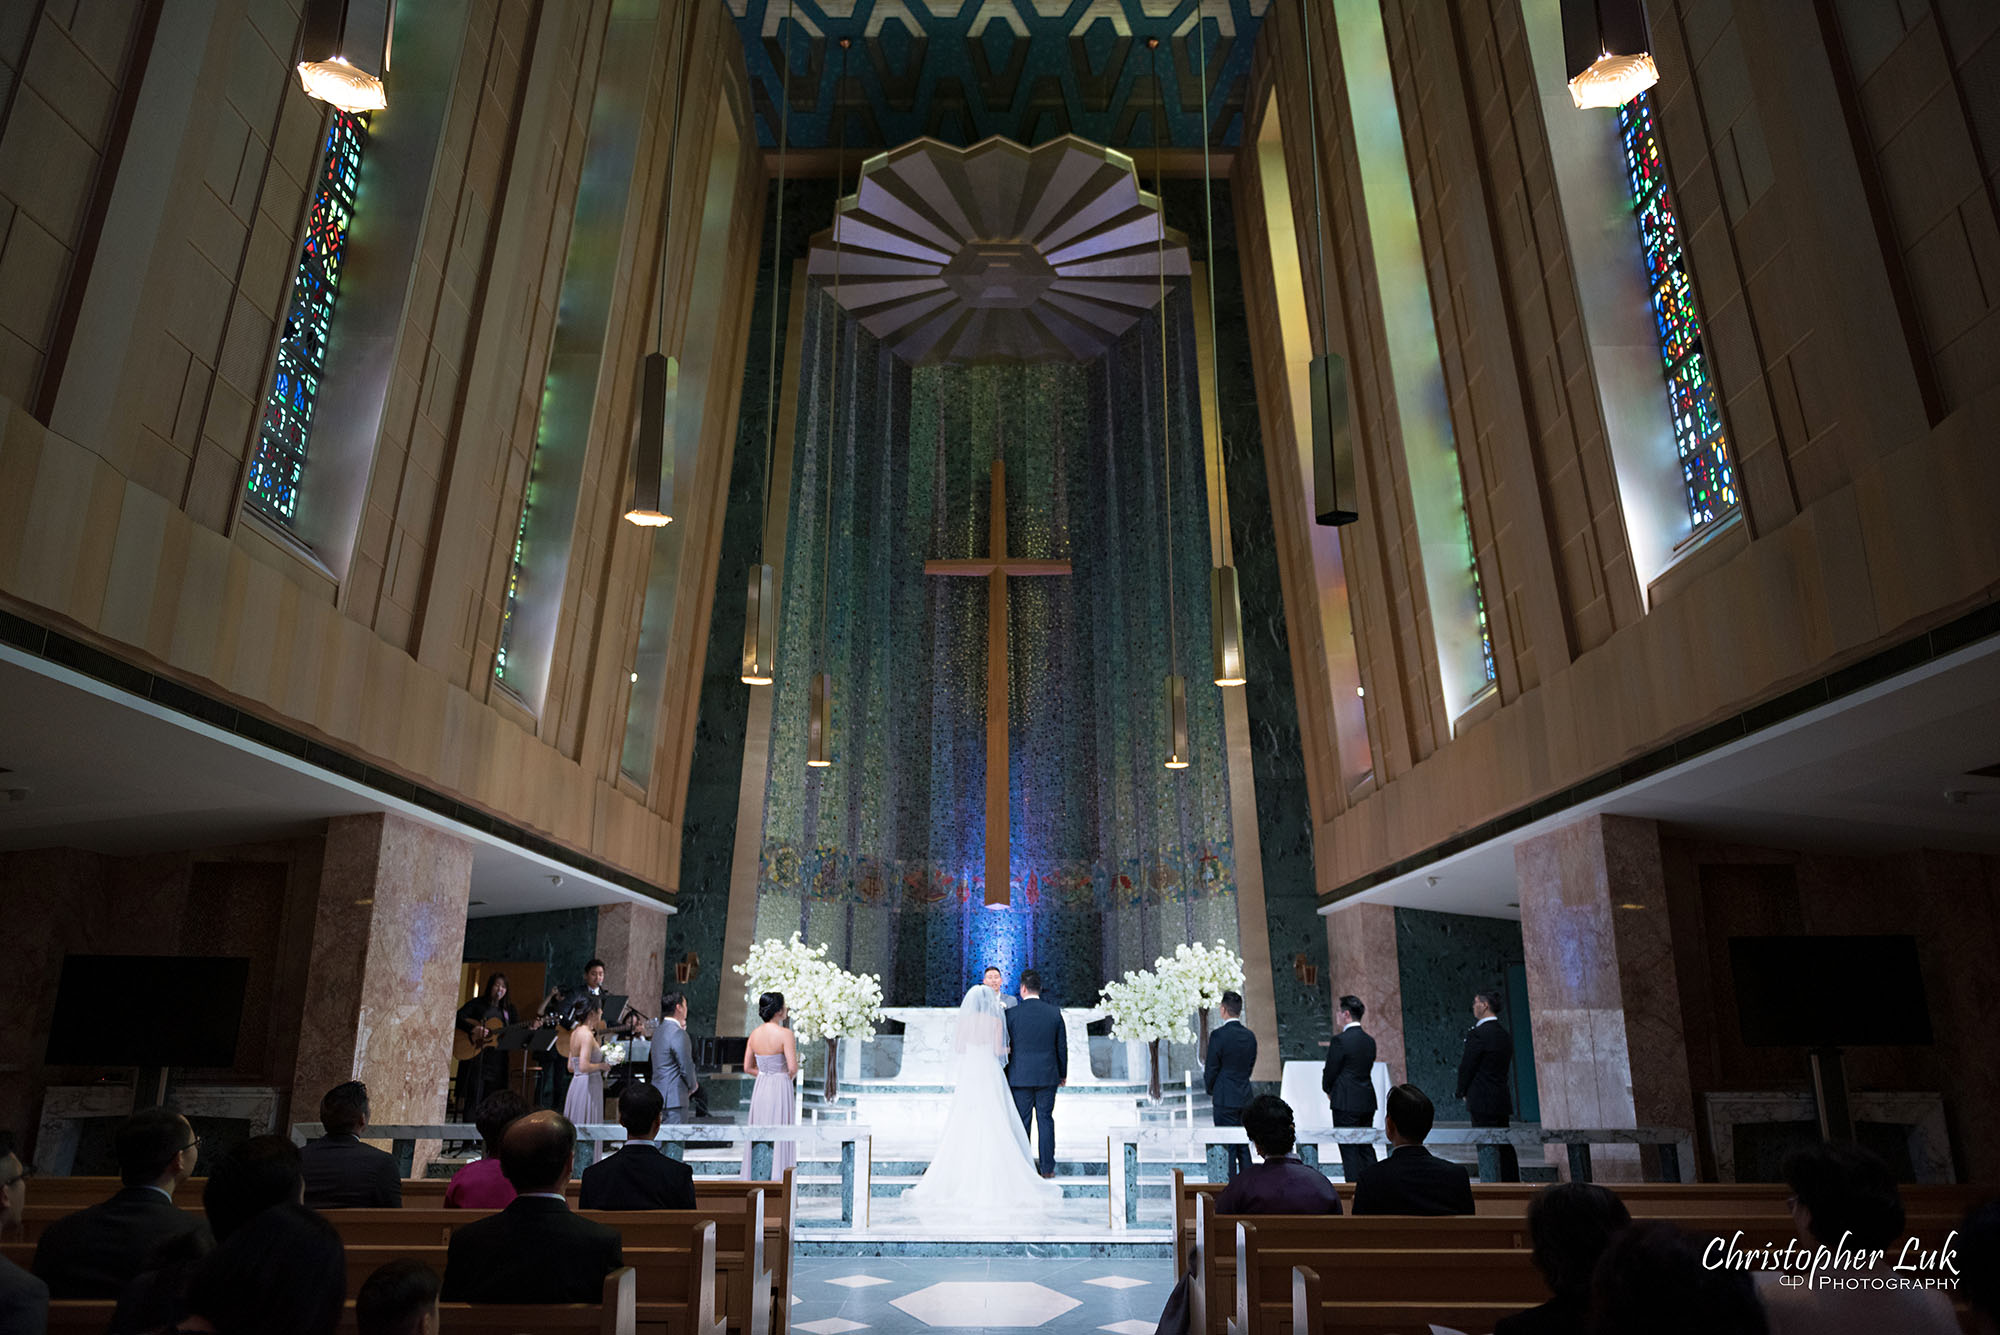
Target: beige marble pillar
[[631, 939], [388, 936], [1609, 1047], [1361, 957]]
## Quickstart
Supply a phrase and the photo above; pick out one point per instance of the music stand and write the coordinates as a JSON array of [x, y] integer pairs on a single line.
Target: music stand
[[614, 1008], [514, 1037]]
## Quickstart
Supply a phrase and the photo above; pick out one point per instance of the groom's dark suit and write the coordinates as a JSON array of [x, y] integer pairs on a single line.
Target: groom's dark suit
[[1037, 1062]]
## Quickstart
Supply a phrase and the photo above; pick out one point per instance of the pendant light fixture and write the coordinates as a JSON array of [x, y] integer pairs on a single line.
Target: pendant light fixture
[[819, 727], [1326, 379], [1176, 685], [659, 375], [1607, 51], [760, 606], [1225, 601], [344, 52]]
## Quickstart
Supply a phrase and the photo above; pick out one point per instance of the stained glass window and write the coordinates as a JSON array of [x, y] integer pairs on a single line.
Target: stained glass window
[[1706, 470], [280, 459], [1485, 626], [513, 584]]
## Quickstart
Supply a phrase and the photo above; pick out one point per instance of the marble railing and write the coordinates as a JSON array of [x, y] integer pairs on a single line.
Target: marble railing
[[1179, 1142], [853, 1144]]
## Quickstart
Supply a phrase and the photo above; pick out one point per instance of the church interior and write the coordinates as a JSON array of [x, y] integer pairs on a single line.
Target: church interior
[[1313, 515]]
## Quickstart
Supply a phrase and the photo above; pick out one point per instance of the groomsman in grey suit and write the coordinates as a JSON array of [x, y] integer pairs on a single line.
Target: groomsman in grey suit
[[673, 1061]]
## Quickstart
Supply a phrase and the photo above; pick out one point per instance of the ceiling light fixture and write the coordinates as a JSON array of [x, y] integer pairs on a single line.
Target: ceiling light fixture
[[1225, 599], [1178, 744], [1607, 51], [1334, 502], [344, 52], [819, 725], [659, 375]]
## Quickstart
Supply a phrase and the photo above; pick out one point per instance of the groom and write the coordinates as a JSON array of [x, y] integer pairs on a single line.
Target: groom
[[1037, 1062]]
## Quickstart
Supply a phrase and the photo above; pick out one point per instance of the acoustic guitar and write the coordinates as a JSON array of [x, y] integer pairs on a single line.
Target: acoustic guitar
[[464, 1047]]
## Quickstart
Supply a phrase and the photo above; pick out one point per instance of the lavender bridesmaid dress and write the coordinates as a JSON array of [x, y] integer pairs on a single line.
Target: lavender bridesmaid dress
[[771, 1105]]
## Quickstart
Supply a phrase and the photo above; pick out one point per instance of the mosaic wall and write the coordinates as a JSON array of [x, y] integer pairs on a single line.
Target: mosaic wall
[[562, 939], [1032, 70], [1443, 959], [1114, 857]]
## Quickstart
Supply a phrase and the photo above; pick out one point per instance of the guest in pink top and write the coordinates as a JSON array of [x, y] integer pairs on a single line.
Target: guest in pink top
[[480, 1185]]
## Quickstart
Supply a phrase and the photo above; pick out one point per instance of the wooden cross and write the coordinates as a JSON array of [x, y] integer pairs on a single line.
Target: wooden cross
[[996, 567]]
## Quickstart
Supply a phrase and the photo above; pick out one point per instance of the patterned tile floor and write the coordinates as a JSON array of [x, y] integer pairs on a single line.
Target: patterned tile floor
[[908, 1295]]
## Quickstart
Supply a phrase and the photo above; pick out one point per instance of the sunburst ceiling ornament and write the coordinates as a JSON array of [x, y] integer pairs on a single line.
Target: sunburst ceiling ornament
[[998, 253]]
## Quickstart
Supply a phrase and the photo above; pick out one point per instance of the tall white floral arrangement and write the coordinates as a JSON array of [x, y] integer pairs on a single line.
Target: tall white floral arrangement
[[825, 1000], [1210, 970], [1150, 1005]]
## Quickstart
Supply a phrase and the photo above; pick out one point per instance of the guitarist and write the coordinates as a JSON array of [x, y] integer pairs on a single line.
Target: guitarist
[[481, 1020]]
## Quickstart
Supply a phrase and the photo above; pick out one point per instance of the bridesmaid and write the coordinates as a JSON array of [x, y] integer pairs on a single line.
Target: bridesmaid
[[586, 1067], [773, 1057]]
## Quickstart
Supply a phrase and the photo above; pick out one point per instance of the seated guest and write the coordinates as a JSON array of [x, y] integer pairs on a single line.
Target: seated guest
[[535, 1250], [24, 1300], [639, 1176], [1283, 1183], [95, 1253], [341, 1172], [481, 1185], [1979, 1267], [284, 1271], [1570, 1225], [1845, 1196], [261, 1172], [1650, 1281], [400, 1298], [1412, 1180]]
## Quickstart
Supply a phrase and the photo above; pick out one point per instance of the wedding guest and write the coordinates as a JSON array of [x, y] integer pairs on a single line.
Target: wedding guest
[[341, 1172], [399, 1298], [584, 1104], [261, 1172], [1412, 1180], [1570, 1225], [1844, 1196], [772, 1055], [24, 1300], [639, 1176], [537, 1250], [1650, 1281], [95, 1253], [284, 1271], [482, 1184]]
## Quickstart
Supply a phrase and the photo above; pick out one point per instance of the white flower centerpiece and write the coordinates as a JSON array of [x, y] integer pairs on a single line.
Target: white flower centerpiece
[[1211, 971], [824, 1000], [1150, 1006]]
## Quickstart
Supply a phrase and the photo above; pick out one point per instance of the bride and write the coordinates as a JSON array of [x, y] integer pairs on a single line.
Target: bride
[[982, 1154]]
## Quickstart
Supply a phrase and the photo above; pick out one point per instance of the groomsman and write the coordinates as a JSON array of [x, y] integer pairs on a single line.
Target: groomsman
[[1482, 1080], [1349, 1082], [1225, 1074]]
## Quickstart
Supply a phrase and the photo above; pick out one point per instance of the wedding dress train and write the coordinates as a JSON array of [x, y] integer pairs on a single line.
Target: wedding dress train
[[982, 1164]]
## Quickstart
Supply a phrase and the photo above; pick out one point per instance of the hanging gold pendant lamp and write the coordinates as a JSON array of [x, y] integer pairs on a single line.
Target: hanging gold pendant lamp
[[1177, 723], [819, 723], [760, 604]]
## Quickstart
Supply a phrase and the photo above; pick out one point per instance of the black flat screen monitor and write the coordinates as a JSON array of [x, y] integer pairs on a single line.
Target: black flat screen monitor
[[148, 1010], [1829, 991]]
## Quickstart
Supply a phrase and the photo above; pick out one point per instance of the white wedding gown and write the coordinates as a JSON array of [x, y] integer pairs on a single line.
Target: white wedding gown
[[981, 1164]]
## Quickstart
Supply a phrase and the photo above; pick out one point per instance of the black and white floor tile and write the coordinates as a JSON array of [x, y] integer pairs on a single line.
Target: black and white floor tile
[[910, 1295]]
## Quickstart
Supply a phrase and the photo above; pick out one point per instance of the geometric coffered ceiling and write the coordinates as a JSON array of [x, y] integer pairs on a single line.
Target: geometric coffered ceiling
[[960, 71], [998, 253]]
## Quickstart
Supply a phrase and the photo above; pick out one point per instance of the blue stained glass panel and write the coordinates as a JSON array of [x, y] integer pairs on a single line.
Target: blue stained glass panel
[[277, 468]]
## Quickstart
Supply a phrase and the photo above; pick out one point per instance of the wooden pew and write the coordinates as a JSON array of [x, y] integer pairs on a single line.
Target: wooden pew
[[1456, 1281], [615, 1314]]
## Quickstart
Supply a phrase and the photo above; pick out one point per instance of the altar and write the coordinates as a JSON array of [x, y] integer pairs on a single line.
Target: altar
[[927, 1052]]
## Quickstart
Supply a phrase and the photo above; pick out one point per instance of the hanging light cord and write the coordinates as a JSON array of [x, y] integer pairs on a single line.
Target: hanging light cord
[[833, 409], [777, 269], [673, 162], [1312, 113], [1221, 508], [1166, 440]]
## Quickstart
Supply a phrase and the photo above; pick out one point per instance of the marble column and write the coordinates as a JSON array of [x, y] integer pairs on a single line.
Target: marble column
[[1609, 1046], [382, 985], [1361, 956], [631, 939]]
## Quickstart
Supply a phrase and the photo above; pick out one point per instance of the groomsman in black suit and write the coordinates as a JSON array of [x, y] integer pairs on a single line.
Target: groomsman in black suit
[[1482, 1078], [1349, 1082], [1225, 1073]]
